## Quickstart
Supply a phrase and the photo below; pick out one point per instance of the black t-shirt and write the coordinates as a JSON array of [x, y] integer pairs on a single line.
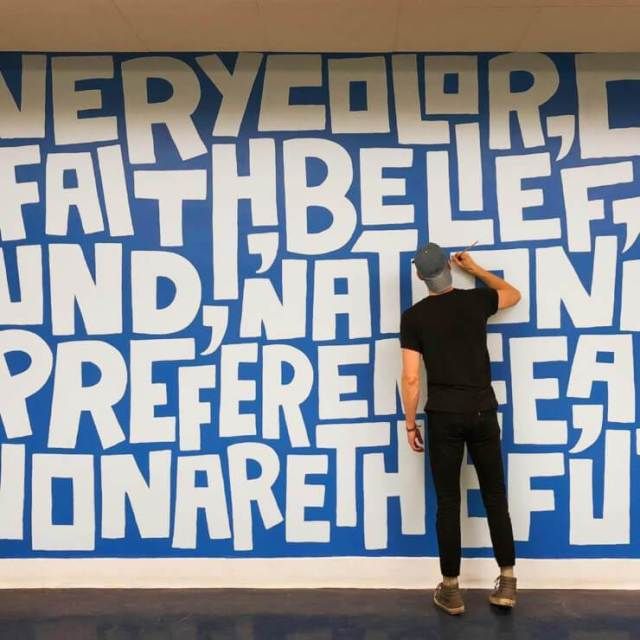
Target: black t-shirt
[[450, 331]]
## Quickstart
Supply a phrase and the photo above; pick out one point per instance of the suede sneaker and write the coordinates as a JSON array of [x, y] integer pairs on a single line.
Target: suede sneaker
[[449, 599], [504, 592]]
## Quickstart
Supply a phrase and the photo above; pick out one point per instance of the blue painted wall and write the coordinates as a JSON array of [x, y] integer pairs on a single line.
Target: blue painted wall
[[351, 162]]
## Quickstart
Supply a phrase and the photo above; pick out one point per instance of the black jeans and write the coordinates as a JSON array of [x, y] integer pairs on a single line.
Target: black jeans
[[447, 434]]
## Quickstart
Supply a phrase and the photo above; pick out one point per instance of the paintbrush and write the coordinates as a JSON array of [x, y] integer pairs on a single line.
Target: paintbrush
[[473, 244]]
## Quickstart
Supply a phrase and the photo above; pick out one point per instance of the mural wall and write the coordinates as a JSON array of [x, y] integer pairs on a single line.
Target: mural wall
[[203, 263]]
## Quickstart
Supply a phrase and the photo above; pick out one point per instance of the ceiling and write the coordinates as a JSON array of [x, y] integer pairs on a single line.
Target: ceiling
[[319, 25]]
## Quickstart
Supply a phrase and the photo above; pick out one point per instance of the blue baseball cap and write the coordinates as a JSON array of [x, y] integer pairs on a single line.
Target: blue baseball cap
[[433, 267]]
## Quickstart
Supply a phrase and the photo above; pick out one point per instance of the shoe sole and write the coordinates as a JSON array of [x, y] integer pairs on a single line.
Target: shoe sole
[[502, 602], [453, 611]]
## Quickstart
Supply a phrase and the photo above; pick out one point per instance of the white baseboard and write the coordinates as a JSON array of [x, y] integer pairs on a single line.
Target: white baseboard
[[336, 572]]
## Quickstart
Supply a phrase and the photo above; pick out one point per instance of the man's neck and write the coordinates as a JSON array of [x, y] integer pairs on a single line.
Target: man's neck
[[439, 293]]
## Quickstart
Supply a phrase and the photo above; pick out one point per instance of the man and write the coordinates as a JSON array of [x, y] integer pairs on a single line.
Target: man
[[448, 329]]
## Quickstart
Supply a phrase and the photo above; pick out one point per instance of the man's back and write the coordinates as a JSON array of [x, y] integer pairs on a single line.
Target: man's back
[[449, 330]]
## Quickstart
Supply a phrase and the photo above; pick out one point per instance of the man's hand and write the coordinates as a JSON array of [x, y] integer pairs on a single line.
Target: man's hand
[[414, 437], [464, 260]]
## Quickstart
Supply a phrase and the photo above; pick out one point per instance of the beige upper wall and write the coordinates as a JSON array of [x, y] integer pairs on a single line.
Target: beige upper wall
[[319, 25]]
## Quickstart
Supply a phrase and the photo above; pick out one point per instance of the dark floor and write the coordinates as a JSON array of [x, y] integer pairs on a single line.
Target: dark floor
[[327, 614]]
